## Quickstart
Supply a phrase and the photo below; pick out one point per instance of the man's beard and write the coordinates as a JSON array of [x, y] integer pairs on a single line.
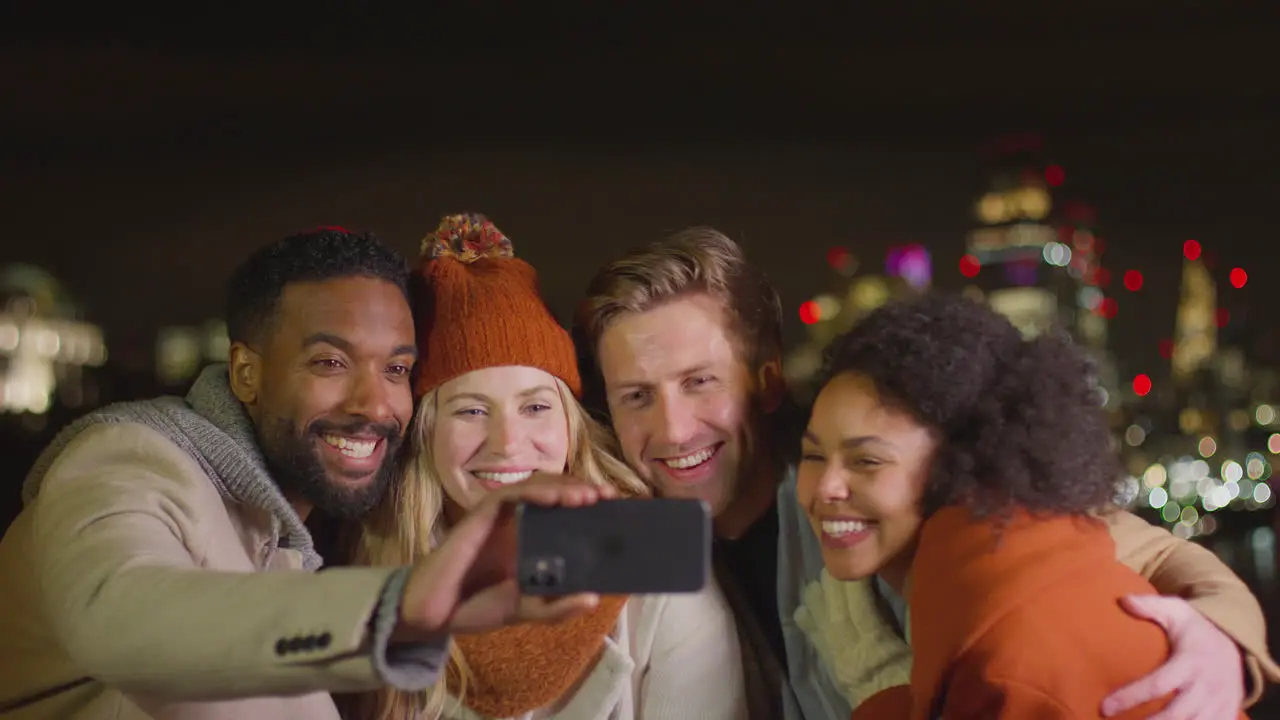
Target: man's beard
[[299, 471]]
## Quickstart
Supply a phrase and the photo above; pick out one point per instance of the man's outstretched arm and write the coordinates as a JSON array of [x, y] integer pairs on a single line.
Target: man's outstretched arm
[[123, 527]]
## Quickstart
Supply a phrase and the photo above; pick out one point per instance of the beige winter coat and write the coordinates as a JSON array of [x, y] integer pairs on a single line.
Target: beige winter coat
[[131, 570]]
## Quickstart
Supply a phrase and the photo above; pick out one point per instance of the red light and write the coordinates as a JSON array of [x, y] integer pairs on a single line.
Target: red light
[[1141, 385], [1054, 175], [1191, 250], [838, 258], [810, 313], [1221, 317], [1108, 308], [1132, 280], [969, 266], [1102, 277], [1166, 348], [1238, 277]]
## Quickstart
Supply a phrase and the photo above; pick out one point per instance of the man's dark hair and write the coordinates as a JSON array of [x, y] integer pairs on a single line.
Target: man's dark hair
[[327, 253], [1019, 422]]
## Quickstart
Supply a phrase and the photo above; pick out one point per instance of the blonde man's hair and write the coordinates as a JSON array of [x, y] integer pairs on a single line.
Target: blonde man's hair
[[695, 260], [406, 525]]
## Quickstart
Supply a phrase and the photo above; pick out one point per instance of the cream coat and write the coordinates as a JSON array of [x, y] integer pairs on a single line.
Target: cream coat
[[670, 657], [129, 568]]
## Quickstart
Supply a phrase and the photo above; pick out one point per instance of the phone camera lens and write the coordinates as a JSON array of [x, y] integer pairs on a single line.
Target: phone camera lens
[[544, 575]]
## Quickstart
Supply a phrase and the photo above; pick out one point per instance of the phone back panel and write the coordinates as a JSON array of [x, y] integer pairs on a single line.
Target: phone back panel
[[615, 547]]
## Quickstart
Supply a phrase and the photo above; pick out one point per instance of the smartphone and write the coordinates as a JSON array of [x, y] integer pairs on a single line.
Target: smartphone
[[615, 547]]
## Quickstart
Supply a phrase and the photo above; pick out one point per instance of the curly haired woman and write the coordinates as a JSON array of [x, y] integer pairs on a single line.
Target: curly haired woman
[[963, 467]]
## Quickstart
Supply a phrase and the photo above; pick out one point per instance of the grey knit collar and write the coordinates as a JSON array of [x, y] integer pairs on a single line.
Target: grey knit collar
[[210, 424]]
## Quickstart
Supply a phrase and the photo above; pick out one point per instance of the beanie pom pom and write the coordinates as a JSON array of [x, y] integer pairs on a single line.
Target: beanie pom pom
[[466, 237]]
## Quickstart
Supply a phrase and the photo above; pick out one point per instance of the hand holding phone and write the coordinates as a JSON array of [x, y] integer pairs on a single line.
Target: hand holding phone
[[468, 583], [614, 547]]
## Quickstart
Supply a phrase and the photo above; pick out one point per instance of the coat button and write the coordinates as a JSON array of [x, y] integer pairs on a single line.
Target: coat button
[[282, 646]]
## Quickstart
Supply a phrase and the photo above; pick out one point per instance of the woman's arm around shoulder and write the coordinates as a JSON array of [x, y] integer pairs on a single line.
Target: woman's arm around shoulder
[[1184, 569]]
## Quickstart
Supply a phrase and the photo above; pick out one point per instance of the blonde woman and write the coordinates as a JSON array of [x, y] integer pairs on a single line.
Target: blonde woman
[[497, 391]]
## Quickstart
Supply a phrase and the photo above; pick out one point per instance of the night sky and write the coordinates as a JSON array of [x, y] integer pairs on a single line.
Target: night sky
[[146, 156]]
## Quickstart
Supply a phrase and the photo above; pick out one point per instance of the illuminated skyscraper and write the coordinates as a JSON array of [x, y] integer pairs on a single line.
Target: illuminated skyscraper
[[1036, 258], [907, 269], [1195, 331], [1013, 259]]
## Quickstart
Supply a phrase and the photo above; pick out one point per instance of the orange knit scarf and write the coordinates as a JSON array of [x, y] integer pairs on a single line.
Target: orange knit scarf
[[522, 668]]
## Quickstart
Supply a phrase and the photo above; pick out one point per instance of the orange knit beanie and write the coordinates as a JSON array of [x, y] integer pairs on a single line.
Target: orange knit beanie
[[477, 306]]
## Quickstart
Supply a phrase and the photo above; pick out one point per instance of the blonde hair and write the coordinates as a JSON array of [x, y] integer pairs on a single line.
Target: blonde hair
[[406, 525], [698, 259]]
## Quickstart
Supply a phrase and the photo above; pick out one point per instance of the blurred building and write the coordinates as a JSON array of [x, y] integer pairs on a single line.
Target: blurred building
[[182, 351], [1201, 444], [47, 350], [1035, 256], [1198, 444], [851, 294]]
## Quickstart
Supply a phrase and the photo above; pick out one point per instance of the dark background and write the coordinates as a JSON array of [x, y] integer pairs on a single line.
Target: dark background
[[148, 154], [145, 154]]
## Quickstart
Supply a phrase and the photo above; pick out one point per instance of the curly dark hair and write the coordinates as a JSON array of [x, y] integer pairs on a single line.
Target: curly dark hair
[[1020, 421], [326, 253]]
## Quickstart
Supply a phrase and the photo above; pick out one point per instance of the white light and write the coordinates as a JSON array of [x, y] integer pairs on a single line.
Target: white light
[[1221, 496], [1057, 254], [1265, 414], [1089, 297], [1158, 498], [1134, 435], [47, 341], [1183, 479], [38, 402], [1231, 471], [1205, 486], [1261, 493], [9, 336]]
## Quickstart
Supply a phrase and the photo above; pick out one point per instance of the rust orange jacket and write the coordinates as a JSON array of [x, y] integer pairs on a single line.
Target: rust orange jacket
[[1022, 621]]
